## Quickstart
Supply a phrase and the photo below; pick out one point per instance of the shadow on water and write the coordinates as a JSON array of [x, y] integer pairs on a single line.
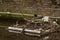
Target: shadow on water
[[10, 21]]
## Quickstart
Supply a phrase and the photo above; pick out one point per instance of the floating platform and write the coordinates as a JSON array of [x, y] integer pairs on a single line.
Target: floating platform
[[24, 31]]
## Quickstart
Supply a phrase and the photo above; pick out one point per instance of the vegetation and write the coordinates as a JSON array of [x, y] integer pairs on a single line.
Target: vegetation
[[28, 6]]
